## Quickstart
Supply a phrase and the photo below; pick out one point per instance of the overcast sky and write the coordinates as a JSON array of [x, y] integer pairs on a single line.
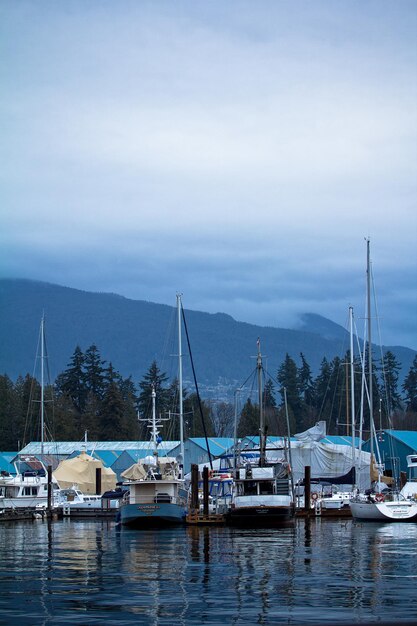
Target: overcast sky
[[238, 152]]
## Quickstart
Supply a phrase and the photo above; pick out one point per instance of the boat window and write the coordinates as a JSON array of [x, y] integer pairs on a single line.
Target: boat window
[[266, 487], [250, 488]]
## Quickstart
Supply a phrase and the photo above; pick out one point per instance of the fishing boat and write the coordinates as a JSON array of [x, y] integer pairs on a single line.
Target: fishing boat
[[379, 503], [263, 493], [157, 494]]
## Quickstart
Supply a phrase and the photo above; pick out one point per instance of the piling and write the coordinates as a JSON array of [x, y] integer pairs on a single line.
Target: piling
[[98, 481], [307, 487], [49, 470], [205, 491], [194, 488]]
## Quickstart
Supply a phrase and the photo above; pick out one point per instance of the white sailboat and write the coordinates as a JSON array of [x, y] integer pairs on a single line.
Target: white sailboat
[[27, 488], [378, 505], [157, 494]]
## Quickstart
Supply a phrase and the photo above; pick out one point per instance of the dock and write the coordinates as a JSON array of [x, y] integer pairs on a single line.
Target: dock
[[197, 517]]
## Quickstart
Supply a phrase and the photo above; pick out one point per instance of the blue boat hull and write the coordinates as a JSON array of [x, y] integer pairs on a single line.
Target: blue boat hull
[[152, 515]]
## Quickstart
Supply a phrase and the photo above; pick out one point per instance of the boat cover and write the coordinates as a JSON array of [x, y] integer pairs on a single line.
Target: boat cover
[[81, 471]]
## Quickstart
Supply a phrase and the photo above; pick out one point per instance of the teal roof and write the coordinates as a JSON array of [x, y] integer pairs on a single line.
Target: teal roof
[[6, 464], [340, 440], [68, 447], [217, 445], [407, 437], [136, 455], [108, 457]]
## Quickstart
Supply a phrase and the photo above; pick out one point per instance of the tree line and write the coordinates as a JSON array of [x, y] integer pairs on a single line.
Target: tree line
[[91, 397]]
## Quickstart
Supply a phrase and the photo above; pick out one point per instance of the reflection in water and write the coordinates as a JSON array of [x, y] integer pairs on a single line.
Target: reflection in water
[[317, 571]]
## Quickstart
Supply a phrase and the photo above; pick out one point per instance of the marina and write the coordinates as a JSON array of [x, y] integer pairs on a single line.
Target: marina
[[94, 571]]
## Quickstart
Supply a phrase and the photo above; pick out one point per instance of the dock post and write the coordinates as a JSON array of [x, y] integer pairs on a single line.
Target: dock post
[[307, 487], [49, 507], [194, 487], [205, 491], [98, 481]]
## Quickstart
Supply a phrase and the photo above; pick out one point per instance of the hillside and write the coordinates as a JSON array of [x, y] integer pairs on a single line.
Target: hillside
[[132, 333]]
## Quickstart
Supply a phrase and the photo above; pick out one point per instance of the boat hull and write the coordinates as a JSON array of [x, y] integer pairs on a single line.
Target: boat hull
[[152, 515], [24, 502], [261, 516], [402, 511]]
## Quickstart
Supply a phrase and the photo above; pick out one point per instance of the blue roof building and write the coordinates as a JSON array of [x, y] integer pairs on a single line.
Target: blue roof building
[[393, 446], [195, 450], [6, 462]]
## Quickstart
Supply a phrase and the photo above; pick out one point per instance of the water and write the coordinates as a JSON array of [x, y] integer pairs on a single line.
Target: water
[[91, 572]]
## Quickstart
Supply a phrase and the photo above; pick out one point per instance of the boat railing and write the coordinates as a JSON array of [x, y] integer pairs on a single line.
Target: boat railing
[[160, 498]]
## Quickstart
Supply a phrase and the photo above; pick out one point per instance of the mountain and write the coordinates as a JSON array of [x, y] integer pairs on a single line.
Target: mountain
[[132, 333]]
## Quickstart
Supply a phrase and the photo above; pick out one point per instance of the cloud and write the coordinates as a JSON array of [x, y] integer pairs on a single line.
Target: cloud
[[237, 152]]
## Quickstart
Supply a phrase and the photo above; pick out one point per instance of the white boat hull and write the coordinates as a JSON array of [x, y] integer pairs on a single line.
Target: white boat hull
[[396, 511]]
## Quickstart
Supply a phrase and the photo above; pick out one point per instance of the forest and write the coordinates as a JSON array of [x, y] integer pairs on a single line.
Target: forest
[[91, 398]]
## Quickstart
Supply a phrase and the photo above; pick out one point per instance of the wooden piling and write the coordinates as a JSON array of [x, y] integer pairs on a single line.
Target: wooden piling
[[98, 481], [205, 491], [307, 487]]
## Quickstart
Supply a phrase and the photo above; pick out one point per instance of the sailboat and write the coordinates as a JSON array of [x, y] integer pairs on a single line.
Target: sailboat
[[262, 491], [377, 504], [27, 488], [157, 494]]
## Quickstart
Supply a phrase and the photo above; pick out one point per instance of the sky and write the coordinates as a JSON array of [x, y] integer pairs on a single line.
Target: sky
[[237, 152]]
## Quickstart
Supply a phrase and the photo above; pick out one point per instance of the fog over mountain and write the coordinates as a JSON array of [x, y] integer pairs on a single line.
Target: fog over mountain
[[132, 333]]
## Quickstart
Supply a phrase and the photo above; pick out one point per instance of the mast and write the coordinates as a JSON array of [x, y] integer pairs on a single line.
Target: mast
[[261, 412], [42, 381], [154, 429], [368, 289], [181, 407], [352, 384]]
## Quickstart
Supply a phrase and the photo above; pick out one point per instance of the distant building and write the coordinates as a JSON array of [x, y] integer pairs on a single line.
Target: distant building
[[393, 446]]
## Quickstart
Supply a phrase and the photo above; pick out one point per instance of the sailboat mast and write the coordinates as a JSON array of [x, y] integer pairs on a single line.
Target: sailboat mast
[[261, 411], [42, 381], [181, 403], [352, 383], [368, 289], [154, 431]]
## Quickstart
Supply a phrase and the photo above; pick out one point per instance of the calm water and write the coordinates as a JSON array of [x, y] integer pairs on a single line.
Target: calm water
[[89, 572]]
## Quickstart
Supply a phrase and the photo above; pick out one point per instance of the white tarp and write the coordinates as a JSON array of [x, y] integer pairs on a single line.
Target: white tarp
[[315, 433], [326, 460]]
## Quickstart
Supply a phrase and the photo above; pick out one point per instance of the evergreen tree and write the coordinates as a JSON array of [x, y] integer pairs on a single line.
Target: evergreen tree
[[409, 388], [321, 385], [270, 409], [94, 372], [112, 422], [72, 382], [288, 378], [305, 381], [249, 420], [391, 399], [8, 441], [155, 380]]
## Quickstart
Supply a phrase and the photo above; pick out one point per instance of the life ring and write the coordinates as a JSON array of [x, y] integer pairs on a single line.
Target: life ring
[[379, 497], [314, 496]]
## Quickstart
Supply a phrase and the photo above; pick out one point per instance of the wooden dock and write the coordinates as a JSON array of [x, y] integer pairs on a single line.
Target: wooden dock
[[202, 519]]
